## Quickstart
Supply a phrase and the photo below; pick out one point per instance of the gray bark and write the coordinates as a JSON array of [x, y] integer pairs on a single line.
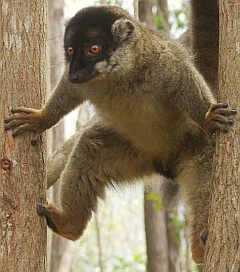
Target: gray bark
[[22, 167], [223, 244]]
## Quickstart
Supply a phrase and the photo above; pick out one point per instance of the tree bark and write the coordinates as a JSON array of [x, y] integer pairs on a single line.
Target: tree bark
[[223, 244], [22, 166], [156, 236], [145, 12], [162, 246], [59, 245]]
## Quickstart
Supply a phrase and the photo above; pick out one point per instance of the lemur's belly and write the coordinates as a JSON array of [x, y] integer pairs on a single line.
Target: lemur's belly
[[147, 120], [148, 130]]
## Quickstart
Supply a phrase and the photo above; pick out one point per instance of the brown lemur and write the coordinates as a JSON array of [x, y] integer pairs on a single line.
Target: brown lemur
[[154, 114]]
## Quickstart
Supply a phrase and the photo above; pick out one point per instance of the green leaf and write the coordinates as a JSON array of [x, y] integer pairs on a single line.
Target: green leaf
[[156, 198]]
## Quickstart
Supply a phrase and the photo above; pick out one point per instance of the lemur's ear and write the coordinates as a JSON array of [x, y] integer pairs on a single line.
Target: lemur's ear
[[122, 29]]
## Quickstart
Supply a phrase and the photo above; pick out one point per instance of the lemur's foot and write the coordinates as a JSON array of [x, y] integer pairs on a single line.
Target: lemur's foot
[[198, 246], [218, 118], [197, 253], [46, 211], [67, 227]]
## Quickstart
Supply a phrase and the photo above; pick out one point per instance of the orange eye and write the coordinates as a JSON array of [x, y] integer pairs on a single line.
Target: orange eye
[[70, 51], [94, 49]]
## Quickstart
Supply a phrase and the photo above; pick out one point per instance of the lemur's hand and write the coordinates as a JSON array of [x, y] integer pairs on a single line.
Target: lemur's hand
[[218, 118], [26, 119]]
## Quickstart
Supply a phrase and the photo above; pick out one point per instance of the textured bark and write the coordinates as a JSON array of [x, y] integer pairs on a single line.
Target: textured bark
[[59, 245], [223, 244], [22, 166]]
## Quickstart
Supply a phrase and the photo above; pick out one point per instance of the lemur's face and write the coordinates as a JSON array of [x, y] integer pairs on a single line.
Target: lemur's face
[[91, 39]]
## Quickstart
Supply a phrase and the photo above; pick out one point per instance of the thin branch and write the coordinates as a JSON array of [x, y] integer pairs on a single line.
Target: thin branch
[[100, 255]]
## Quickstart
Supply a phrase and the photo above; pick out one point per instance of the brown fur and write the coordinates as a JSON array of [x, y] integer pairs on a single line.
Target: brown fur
[[152, 106]]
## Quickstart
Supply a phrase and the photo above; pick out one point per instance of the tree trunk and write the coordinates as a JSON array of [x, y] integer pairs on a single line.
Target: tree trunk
[[156, 236], [145, 12], [163, 9], [223, 244], [59, 245], [204, 39], [162, 246], [22, 166]]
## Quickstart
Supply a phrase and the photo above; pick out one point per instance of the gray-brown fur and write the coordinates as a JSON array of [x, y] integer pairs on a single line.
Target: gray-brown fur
[[152, 106]]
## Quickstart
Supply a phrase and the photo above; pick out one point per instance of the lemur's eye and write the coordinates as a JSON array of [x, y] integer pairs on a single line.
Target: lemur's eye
[[70, 51], [95, 49]]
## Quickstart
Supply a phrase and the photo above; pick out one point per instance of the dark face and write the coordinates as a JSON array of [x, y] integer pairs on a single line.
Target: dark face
[[88, 40]]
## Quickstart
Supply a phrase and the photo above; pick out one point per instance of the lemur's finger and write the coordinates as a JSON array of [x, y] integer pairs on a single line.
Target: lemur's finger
[[35, 138], [22, 110], [21, 129], [13, 123]]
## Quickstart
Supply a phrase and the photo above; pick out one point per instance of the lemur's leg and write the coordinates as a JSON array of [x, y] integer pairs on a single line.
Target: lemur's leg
[[195, 186], [100, 158]]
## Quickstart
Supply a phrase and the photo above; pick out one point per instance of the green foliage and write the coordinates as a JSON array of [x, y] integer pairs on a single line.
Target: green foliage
[[156, 198], [159, 19], [180, 16], [195, 268], [177, 18], [125, 264], [176, 225]]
